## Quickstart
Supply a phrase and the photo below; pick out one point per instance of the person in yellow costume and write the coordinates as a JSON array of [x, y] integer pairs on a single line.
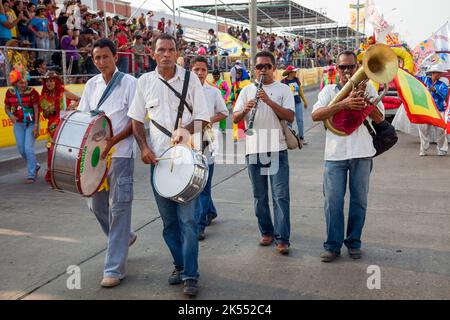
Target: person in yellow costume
[[241, 82]]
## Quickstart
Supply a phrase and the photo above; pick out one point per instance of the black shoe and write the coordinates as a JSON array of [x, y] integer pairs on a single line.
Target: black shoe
[[355, 253], [201, 235], [190, 287], [175, 277], [329, 256], [210, 218]]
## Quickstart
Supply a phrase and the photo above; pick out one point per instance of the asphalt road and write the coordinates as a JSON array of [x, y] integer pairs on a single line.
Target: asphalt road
[[406, 237]]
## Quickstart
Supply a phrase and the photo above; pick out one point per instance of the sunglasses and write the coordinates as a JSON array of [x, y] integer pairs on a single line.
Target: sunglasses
[[261, 66], [347, 67]]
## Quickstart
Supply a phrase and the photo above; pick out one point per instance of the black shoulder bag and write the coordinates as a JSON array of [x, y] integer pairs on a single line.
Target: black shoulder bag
[[384, 137]]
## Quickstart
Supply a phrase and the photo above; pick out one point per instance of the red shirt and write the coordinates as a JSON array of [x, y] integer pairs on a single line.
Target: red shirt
[[161, 26], [23, 111]]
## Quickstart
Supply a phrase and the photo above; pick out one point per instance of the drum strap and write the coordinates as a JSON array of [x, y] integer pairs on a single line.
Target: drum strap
[[182, 96], [109, 89], [181, 106]]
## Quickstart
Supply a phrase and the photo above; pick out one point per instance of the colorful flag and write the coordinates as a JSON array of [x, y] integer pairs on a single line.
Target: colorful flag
[[417, 100], [447, 117], [380, 26]]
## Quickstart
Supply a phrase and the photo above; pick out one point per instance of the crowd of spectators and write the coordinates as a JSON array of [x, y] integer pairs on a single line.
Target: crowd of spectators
[[73, 28], [290, 50]]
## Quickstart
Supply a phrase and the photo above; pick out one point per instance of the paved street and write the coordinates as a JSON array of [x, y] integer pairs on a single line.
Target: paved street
[[407, 235]]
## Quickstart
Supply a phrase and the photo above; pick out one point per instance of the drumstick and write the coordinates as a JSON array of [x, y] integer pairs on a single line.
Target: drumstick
[[171, 165], [167, 158]]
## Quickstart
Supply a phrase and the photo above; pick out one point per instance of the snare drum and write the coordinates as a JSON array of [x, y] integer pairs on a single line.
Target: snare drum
[[182, 176], [75, 164]]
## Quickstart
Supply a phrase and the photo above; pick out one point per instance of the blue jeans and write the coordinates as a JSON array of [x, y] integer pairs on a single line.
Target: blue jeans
[[180, 232], [113, 211], [334, 188], [263, 168], [206, 206], [299, 118], [25, 142]]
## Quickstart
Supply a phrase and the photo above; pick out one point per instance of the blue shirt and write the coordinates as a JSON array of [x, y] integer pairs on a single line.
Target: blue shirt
[[5, 33], [441, 92], [40, 24]]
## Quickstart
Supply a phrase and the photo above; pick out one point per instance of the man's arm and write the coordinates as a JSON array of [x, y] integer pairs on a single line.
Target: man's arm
[[111, 142], [147, 155]]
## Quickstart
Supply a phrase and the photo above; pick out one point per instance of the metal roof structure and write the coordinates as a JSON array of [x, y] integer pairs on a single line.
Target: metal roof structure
[[271, 14], [328, 32]]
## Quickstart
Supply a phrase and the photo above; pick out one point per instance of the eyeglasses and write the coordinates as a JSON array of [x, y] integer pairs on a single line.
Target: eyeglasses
[[261, 66], [347, 67]]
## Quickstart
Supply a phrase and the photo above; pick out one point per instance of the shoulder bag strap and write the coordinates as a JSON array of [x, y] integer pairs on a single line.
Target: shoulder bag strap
[[117, 77]]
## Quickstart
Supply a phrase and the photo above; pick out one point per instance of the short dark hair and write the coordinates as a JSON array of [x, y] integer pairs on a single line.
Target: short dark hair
[[347, 53], [265, 54], [103, 43], [199, 59], [164, 36], [38, 63]]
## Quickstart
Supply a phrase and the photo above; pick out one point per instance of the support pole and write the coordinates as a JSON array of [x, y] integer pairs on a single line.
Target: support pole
[[253, 32]]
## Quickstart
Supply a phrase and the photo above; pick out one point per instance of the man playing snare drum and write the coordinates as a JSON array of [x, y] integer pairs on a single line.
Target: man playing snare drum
[[155, 97], [113, 207]]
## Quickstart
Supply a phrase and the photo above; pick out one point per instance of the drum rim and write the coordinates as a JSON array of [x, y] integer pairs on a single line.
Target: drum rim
[[78, 166], [191, 196], [52, 149]]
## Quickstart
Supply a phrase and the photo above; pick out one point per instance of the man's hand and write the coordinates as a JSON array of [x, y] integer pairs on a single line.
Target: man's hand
[[181, 136], [249, 106], [432, 89], [147, 156], [36, 132], [264, 97], [109, 144], [353, 102]]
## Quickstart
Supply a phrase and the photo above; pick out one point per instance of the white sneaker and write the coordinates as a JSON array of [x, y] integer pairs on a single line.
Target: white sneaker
[[442, 153], [423, 153]]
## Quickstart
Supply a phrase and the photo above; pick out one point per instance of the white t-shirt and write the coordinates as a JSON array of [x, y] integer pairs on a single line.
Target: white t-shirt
[[215, 104], [115, 107], [149, 21], [169, 29], [155, 99], [269, 135], [355, 146]]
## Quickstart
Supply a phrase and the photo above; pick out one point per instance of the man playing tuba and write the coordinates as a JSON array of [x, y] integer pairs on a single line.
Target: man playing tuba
[[347, 156]]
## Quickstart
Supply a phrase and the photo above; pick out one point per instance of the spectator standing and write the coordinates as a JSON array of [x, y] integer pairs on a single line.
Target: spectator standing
[[169, 28], [149, 20], [40, 28], [69, 41], [162, 25]]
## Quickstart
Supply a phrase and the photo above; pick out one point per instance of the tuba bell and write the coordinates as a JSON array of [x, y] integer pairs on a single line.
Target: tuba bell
[[380, 65]]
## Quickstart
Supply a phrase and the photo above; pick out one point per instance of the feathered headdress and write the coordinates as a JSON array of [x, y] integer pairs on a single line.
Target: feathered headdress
[[18, 73]]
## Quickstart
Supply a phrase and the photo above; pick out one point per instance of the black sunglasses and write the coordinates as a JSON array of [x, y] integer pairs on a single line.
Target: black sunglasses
[[349, 67], [261, 66]]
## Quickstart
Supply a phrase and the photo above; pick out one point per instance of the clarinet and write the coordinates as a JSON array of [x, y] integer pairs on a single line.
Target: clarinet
[[249, 131]]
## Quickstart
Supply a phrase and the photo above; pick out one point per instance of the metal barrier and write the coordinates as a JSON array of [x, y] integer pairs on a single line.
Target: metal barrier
[[58, 60]]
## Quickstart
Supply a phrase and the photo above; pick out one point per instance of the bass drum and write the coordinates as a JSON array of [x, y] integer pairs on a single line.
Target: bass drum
[[75, 164]]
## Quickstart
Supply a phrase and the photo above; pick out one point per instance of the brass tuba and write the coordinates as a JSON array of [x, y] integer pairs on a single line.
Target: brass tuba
[[380, 65]]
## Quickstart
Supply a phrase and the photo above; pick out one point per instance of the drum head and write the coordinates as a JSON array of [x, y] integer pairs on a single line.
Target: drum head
[[170, 183], [91, 169]]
